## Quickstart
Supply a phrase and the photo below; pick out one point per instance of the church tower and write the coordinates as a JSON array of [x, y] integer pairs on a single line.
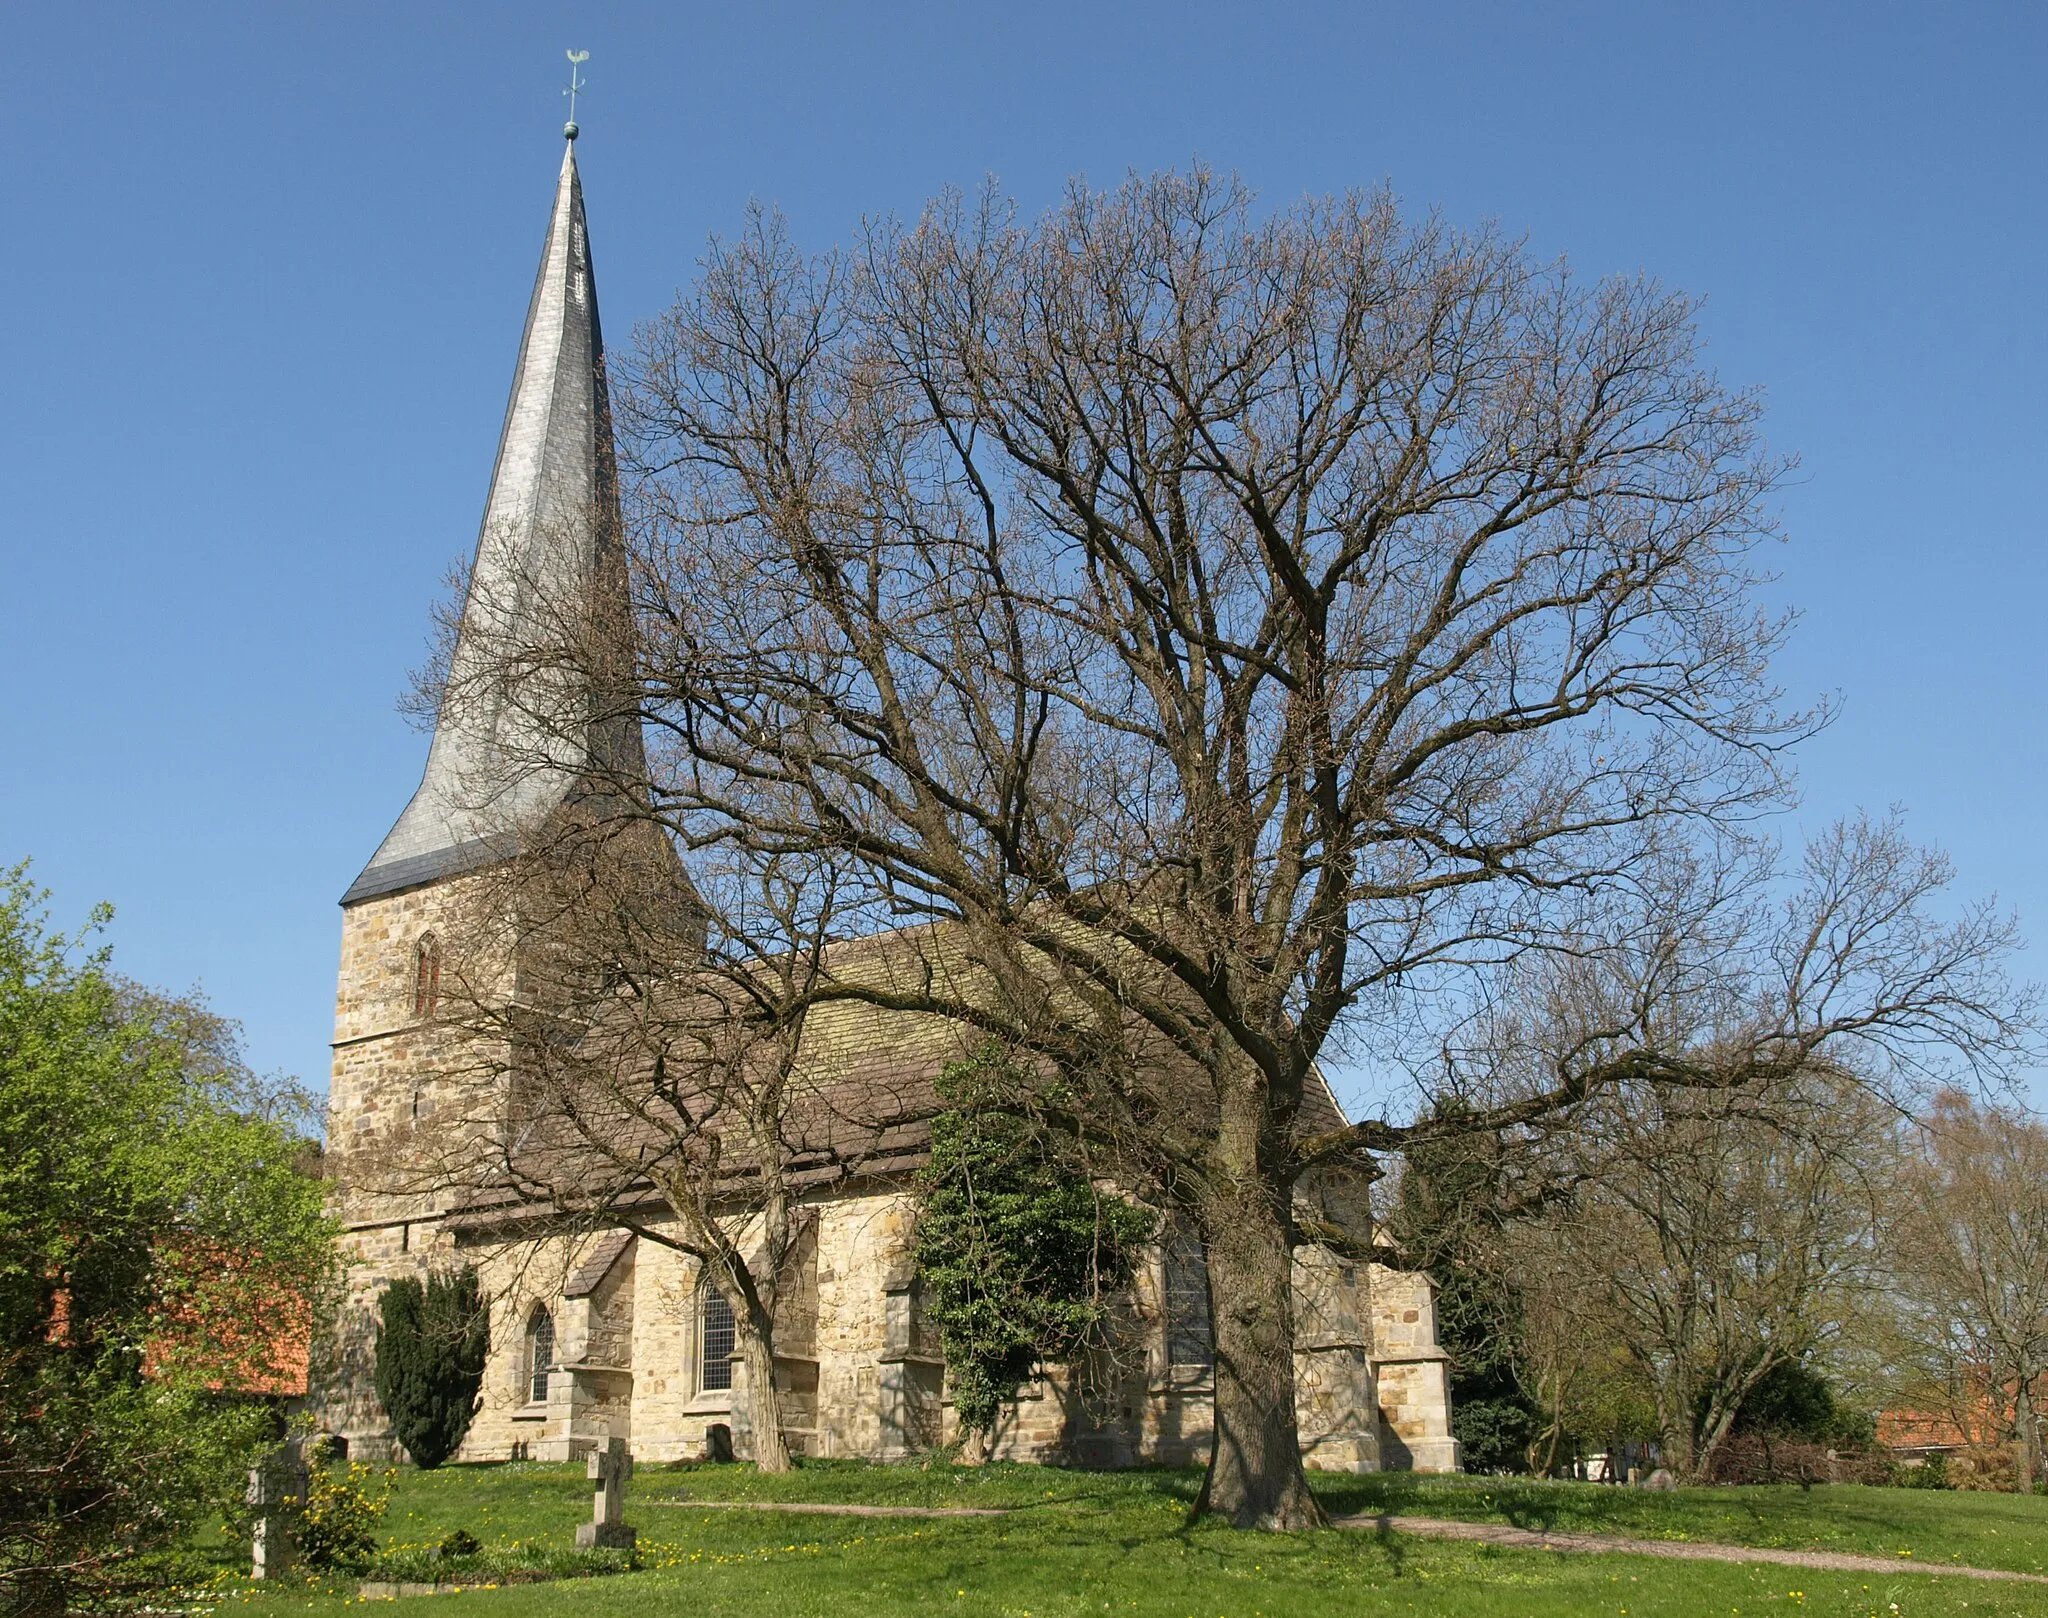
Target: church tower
[[515, 740]]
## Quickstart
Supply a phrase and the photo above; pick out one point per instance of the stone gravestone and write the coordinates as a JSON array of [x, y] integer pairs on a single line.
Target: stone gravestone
[[609, 1468], [277, 1489]]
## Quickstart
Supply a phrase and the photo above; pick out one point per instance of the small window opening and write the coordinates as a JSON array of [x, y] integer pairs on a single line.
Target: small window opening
[[715, 1339], [540, 1354], [426, 983]]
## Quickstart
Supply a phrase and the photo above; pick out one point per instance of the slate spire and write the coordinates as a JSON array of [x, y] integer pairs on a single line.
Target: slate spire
[[519, 728]]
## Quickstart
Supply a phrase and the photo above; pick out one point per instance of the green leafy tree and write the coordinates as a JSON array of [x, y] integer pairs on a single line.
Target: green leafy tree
[[1796, 1400], [161, 1249], [431, 1343], [1017, 1249]]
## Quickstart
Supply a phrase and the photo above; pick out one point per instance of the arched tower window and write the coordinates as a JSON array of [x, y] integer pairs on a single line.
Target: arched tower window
[[540, 1353], [426, 976], [714, 1340]]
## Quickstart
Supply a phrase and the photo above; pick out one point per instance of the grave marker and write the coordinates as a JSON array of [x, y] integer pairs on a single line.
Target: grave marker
[[608, 1468], [277, 1489]]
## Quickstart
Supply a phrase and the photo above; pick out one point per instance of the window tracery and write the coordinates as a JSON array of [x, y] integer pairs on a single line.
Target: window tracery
[[540, 1353]]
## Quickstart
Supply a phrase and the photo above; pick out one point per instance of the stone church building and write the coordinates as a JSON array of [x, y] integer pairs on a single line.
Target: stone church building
[[599, 1333]]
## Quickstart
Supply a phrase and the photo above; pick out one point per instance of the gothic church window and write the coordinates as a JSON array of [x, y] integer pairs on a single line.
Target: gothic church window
[[540, 1354], [1189, 1337], [426, 978], [715, 1338]]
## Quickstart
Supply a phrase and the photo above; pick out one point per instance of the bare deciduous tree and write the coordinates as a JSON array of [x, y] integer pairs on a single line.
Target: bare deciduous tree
[[1717, 1235], [1235, 628], [1721, 1208], [1971, 1263], [1235, 634]]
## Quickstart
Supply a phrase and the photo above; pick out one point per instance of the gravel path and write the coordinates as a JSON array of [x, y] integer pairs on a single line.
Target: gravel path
[[1685, 1550]]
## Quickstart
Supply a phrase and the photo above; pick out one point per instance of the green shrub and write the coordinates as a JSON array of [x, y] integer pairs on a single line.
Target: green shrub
[[1794, 1400], [431, 1345], [461, 1543], [337, 1528], [1494, 1435], [1931, 1473]]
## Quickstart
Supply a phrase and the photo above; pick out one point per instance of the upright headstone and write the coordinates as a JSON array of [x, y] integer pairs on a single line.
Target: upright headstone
[[608, 1469], [277, 1491]]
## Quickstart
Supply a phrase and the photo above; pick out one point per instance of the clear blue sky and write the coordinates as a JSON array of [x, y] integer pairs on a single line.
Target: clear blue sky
[[265, 268]]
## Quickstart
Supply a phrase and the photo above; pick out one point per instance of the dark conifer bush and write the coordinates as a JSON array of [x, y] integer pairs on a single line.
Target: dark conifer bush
[[431, 1343]]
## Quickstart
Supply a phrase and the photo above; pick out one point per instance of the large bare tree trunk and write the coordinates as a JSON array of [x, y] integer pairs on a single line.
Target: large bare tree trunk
[[1712, 1434], [1711, 1429], [757, 1295], [764, 1404], [1675, 1451], [1255, 1477]]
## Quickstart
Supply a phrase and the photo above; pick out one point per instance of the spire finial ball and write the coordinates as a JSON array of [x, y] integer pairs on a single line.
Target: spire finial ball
[[576, 61], [570, 131]]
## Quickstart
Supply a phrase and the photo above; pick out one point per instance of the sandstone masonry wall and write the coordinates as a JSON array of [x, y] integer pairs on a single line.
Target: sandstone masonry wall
[[860, 1370]]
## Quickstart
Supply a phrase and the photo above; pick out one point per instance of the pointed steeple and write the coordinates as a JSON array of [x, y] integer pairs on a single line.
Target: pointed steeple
[[516, 732]]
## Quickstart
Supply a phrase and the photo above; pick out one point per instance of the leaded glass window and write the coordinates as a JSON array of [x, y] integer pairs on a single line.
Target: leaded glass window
[[1189, 1339], [540, 1354], [715, 1342]]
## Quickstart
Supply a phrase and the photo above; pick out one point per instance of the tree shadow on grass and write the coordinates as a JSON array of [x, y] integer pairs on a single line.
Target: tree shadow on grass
[[1539, 1506], [1736, 1516], [1416, 1494]]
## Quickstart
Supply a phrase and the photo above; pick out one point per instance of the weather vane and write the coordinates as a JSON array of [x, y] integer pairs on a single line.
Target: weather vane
[[576, 82]]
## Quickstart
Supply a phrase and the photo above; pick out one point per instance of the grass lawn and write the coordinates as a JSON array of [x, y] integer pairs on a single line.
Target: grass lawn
[[1116, 1545]]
